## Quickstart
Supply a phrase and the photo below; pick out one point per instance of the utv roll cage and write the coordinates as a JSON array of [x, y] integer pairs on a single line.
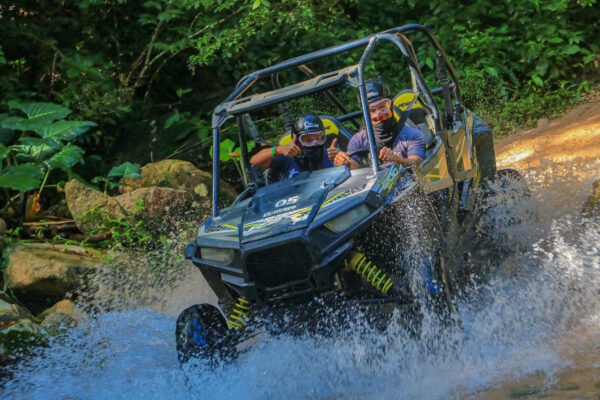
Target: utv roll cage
[[236, 106]]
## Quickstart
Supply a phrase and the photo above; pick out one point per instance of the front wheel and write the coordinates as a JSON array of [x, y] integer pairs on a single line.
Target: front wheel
[[202, 332]]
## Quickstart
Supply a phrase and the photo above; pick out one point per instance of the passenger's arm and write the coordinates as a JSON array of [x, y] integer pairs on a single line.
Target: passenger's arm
[[342, 158], [388, 155], [264, 158]]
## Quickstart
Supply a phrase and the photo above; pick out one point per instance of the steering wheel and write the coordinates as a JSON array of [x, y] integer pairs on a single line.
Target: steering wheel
[[363, 155]]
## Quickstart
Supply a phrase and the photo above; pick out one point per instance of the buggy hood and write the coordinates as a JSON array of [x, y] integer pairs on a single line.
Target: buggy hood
[[283, 206]]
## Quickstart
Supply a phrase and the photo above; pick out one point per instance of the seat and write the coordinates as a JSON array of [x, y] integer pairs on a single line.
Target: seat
[[408, 100]]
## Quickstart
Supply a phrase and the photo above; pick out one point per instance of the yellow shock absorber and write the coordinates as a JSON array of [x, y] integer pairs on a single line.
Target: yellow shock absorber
[[240, 313], [359, 263]]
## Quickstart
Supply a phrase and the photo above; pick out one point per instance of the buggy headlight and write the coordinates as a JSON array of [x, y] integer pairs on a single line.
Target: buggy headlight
[[224, 256], [346, 220]]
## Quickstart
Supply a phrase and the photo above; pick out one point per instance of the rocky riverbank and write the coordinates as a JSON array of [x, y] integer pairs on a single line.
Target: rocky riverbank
[[52, 283]]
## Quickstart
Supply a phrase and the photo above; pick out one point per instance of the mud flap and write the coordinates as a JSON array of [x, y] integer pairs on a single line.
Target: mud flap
[[483, 141]]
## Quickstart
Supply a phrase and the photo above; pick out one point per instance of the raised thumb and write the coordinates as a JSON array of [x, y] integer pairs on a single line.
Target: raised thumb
[[295, 138], [333, 143]]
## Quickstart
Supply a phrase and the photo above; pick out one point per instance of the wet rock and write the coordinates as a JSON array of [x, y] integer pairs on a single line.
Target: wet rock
[[542, 122], [91, 209], [591, 208], [39, 271], [17, 326], [568, 387], [94, 211], [181, 175], [63, 314], [10, 312], [154, 204], [525, 391]]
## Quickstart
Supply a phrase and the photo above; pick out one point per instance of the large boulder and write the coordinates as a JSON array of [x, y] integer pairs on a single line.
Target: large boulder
[[40, 271], [95, 211], [91, 209], [155, 204], [177, 174]]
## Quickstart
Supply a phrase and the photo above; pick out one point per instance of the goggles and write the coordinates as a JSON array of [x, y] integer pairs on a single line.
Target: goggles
[[380, 110], [312, 139]]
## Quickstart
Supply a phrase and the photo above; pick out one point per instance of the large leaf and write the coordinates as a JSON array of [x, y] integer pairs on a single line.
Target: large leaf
[[6, 133], [126, 170], [64, 130], [225, 147], [36, 141], [4, 151], [38, 114], [22, 177], [11, 122], [37, 150], [67, 157]]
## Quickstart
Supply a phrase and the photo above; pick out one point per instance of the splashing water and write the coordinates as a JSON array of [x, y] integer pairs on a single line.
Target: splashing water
[[541, 295]]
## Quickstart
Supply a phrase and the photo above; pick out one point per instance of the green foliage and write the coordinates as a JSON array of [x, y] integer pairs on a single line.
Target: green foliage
[[22, 177], [126, 170], [38, 115], [150, 73], [125, 233], [41, 142], [66, 158]]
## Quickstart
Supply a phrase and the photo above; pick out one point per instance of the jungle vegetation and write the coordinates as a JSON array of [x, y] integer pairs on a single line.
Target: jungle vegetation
[[90, 84]]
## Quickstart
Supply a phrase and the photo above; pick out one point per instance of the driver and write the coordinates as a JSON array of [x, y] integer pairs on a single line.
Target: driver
[[306, 151], [406, 147]]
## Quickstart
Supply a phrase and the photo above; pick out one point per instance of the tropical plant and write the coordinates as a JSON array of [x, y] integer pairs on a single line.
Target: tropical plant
[[37, 140], [228, 152], [126, 170]]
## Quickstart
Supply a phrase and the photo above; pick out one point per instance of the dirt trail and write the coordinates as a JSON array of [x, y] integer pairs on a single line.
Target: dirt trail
[[574, 136], [572, 141]]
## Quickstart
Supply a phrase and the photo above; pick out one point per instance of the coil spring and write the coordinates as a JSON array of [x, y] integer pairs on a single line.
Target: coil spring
[[240, 313], [359, 263]]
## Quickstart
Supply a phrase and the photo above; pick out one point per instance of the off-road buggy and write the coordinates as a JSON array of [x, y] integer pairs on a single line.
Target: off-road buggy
[[371, 239]]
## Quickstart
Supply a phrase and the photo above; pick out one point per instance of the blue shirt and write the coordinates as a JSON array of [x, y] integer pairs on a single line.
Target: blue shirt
[[287, 167], [409, 142]]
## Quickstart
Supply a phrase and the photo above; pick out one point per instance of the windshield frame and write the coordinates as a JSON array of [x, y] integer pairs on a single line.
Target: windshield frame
[[354, 75]]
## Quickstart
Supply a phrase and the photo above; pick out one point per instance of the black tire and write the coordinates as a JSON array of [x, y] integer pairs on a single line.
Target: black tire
[[201, 332], [411, 230]]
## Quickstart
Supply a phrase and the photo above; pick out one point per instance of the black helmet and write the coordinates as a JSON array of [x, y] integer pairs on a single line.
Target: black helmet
[[376, 89], [308, 124]]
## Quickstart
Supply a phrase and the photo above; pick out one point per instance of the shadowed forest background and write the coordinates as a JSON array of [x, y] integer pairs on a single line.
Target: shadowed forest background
[[136, 81]]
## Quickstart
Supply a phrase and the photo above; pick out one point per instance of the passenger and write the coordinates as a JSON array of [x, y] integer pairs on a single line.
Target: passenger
[[306, 151], [406, 147]]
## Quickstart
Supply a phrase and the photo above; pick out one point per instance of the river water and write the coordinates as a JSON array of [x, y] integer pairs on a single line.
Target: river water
[[538, 315]]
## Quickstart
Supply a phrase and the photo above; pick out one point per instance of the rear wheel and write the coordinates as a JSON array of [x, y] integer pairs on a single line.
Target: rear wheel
[[201, 332]]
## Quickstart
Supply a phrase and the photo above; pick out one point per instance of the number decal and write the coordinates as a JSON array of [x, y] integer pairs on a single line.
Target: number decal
[[287, 202]]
